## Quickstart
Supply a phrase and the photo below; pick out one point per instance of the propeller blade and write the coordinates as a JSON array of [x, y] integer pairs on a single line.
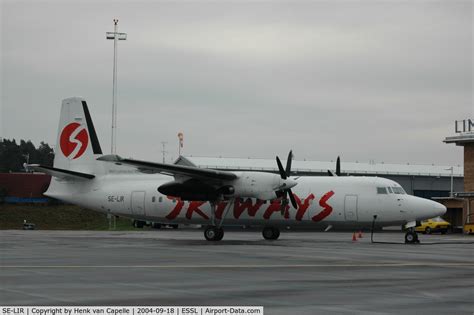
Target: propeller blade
[[338, 167], [292, 198], [288, 163], [280, 167], [284, 202]]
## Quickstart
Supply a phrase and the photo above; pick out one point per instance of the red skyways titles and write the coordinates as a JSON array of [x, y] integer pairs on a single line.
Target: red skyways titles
[[240, 206], [193, 207], [327, 209]]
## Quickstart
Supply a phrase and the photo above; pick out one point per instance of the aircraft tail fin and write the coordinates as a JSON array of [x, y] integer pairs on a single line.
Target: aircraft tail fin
[[77, 144]]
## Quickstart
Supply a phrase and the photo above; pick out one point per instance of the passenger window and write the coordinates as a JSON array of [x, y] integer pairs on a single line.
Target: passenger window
[[381, 190], [160, 199], [390, 190], [153, 199]]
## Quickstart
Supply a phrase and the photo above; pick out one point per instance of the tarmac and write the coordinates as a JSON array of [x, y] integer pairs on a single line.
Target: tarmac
[[301, 273]]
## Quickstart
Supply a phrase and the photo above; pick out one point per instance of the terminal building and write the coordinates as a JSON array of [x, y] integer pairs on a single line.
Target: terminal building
[[462, 198]]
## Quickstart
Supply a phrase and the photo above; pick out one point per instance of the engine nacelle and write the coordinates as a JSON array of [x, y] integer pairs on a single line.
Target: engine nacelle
[[189, 190], [227, 191], [258, 185]]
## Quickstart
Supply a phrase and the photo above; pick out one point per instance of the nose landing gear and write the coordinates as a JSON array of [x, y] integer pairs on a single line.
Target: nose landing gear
[[411, 237]]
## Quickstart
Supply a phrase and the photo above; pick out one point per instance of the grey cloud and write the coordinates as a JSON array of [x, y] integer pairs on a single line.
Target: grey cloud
[[370, 80]]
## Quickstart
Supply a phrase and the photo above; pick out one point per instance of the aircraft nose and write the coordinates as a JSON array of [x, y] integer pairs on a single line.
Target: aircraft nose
[[439, 209], [427, 209]]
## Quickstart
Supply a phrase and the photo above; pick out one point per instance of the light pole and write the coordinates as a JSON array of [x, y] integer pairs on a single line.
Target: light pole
[[180, 143], [163, 144], [115, 36]]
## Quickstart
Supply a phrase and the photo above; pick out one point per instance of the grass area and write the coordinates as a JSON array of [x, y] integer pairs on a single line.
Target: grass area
[[57, 217]]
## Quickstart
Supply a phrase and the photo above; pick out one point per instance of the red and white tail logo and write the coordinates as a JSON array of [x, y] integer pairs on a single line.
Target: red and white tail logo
[[74, 140]]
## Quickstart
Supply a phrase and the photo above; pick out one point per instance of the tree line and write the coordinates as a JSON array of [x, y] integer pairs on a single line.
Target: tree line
[[13, 155]]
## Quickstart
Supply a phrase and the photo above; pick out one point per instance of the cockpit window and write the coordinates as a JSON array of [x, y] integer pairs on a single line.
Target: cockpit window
[[381, 190], [398, 190], [390, 190]]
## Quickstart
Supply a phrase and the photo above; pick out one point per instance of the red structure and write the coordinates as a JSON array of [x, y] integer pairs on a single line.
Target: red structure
[[24, 187]]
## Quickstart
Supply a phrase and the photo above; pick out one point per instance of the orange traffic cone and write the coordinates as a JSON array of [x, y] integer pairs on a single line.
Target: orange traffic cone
[[360, 234], [354, 238]]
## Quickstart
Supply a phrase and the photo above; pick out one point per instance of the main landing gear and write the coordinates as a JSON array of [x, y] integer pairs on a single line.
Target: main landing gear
[[411, 237], [213, 233], [270, 233]]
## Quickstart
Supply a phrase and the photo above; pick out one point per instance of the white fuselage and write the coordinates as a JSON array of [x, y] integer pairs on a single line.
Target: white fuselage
[[322, 201]]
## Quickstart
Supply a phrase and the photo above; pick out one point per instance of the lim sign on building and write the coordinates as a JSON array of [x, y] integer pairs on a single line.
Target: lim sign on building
[[464, 200], [462, 126]]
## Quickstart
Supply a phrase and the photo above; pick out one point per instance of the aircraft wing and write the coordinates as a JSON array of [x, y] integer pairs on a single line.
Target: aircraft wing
[[171, 169], [60, 173]]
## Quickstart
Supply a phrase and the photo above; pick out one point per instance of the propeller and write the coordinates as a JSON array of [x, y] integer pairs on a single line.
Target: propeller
[[285, 173], [338, 168]]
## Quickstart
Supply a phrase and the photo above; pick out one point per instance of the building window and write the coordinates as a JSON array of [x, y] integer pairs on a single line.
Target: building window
[[428, 194]]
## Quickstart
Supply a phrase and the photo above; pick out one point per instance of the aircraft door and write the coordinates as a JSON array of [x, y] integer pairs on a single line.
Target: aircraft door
[[350, 208], [138, 203]]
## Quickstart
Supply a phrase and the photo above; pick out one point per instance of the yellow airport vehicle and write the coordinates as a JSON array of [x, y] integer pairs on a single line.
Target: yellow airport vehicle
[[468, 227], [436, 224]]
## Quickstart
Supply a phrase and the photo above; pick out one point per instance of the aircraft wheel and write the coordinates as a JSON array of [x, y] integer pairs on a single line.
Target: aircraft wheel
[[276, 234], [212, 233], [411, 237], [220, 234], [270, 233]]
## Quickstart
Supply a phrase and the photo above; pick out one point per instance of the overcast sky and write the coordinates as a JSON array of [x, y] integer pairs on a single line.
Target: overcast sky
[[367, 80]]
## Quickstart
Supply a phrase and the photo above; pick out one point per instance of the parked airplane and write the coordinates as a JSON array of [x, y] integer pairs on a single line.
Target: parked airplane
[[184, 193]]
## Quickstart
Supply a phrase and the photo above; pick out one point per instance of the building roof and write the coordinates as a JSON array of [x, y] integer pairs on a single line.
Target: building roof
[[461, 139], [354, 168]]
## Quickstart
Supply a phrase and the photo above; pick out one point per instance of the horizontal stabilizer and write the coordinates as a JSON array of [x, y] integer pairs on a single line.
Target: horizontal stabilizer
[[60, 173]]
